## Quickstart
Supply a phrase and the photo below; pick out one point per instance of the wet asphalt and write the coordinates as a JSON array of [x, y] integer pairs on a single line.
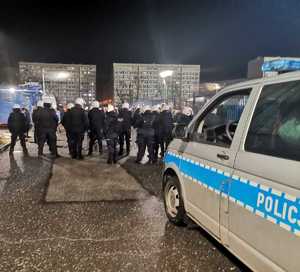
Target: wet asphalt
[[95, 236]]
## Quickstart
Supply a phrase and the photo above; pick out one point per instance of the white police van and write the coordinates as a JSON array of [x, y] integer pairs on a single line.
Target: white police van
[[236, 172]]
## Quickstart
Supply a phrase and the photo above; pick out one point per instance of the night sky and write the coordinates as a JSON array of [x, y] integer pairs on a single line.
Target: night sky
[[220, 35]]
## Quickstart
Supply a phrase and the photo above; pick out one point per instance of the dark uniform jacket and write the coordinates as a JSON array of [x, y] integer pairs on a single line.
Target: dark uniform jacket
[[28, 119], [35, 115], [78, 120], [156, 123], [66, 120], [96, 119], [166, 122], [136, 117], [47, 119], [145, 123], [125, 119], [184, 120], [112, 126], [17, 122]]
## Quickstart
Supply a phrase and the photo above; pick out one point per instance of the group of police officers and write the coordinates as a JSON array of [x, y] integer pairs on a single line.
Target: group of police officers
[[154, 126]]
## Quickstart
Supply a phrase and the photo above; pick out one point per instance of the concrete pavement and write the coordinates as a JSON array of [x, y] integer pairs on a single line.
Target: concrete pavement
[[120, 235]]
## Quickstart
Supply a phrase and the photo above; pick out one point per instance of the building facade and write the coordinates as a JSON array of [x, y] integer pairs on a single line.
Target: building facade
[[155, 83], [65, 81]]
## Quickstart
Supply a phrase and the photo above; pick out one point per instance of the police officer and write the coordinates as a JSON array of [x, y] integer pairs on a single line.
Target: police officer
[[66, 122], [78, 126], [47, 121], [166, 126], [136, 115], [96, 121], [112, 130], [17, 126], [185, 117], [26, 113], [157, 131], [145, 135], [125, 133], [35, 115]]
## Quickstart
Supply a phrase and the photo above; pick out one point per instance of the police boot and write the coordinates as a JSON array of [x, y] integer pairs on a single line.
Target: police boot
[[121, 152], [80, 157], [25, 151], [100, 148], [40, 151], [90, 153], [110, 159], [55, 155], [115, 158]]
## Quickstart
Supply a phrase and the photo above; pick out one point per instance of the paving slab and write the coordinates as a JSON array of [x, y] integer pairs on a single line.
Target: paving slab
[[91, 180]]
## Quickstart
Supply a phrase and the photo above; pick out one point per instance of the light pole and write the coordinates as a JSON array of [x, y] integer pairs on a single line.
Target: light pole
[[164, 75], [177, 95], [60, 76], [43, 78]]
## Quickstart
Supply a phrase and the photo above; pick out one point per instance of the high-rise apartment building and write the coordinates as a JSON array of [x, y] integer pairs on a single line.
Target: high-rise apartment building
[[65, 81], [155, 83]]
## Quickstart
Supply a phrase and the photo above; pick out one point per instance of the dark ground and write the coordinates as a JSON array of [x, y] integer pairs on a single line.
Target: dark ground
[[94, 236]]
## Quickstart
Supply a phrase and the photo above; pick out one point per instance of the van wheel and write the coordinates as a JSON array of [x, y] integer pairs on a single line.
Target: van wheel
[[173, 201]]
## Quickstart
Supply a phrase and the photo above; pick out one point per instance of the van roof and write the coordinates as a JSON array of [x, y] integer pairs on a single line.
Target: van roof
[[273, 79]]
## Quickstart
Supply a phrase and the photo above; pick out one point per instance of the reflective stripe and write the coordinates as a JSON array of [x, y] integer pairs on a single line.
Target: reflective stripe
[[249, 208], [240, 203], [254, 184], [261, 214], [276, 192], [286, 227], [235, 177], [244, 180], [264, 188], [268, 203], [272, 219], [289, 197]]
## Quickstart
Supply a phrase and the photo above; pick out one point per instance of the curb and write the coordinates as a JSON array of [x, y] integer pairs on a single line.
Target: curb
[[4, 147]]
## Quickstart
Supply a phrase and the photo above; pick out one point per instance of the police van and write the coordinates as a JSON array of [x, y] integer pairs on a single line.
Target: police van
[[236, 172]]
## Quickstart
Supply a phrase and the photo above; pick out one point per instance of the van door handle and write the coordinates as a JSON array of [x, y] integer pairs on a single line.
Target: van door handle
[[223, 157]]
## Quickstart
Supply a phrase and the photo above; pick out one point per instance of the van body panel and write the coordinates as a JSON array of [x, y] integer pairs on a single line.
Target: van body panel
[[256, 261], [259, 216], [265, 203], [249, 202]]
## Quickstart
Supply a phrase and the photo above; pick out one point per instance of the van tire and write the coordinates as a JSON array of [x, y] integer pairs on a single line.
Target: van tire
[[173, 201]]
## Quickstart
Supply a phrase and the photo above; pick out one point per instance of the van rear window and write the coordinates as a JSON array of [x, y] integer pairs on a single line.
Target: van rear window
[[275, 126]]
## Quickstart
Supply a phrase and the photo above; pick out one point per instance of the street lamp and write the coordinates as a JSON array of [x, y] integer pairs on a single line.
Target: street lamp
[[54, 76], [62, 75], [164, 75], [43, 78]]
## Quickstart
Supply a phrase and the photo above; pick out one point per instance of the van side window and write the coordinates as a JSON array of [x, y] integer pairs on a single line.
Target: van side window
[[275, 125], [218, 124]]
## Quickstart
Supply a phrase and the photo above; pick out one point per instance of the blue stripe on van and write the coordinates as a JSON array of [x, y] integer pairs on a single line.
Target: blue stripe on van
[[275, 206]]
